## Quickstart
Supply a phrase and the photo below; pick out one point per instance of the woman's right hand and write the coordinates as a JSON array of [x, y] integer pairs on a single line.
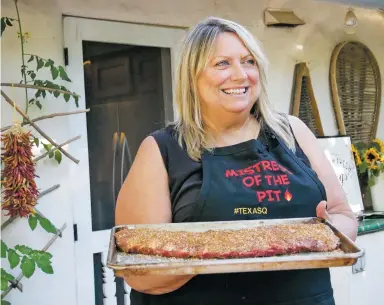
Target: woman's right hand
[[144, 199]]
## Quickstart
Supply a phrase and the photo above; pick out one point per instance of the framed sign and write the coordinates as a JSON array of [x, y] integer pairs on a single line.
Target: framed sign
[[339, 153]]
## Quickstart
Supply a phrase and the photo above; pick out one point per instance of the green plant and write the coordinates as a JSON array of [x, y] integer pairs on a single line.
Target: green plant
[[21, 255], [369, 160]]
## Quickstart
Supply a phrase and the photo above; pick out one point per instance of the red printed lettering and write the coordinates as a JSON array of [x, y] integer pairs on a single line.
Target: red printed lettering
[[284, 179], [257, 179], [268, 178], [269, 193], [275, 166], [277, 180], [266, 165], [251, 181], [257, 166], [277, 194], [248, 181], [249, 171], [261, 195], [230, 173], [272, 195], [283, 169]]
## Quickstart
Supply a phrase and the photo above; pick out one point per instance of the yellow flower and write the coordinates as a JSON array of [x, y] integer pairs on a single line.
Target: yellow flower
[[373, 166], [371, 156], [381, 144], [356, 155]]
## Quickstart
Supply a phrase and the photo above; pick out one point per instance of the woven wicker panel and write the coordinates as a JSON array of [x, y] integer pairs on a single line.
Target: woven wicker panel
[[303, 104], [357, 78], [305, 110]]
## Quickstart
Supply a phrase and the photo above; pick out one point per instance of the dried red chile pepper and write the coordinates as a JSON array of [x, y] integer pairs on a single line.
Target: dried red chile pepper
[[20, 192]]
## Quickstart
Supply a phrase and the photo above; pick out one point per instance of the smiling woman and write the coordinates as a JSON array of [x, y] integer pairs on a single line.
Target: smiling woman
[[229, 152], [222, 77]]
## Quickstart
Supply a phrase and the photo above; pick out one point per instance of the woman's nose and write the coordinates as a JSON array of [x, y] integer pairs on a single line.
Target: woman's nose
[[238, 73]]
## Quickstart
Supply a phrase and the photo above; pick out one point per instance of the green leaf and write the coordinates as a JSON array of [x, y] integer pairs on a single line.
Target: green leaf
[[32, 220], [67, 97], [8, 21], [38, 255], [376, 146], [4, 286], [54, 72], [31, 58], [46, 224], [31, 101], [58, 156], [38, 104], [13, 258], [51, 154], [40, 64], [56, 94], [36, 140], [371, 182], [43, 93], [6, 275], [76, 98], [63, 74], [363, 167], [47, 146], [33, 75], [49, 63], [3, 24], [4, 249], [4, 302], [27, 266], [38, 93], [376, 172], [23, 249], [45, 265]]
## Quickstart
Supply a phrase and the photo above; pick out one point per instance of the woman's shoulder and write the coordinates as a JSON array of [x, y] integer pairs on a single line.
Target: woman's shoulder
[[165, 136]]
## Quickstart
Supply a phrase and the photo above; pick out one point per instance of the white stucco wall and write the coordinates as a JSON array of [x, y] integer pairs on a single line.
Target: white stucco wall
[[43, 19]]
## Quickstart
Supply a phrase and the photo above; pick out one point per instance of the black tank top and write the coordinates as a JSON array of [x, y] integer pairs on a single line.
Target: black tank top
[[186, 176], [215, 188]]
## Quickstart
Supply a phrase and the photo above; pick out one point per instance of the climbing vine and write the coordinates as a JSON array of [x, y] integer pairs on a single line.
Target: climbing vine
[[20, 194]]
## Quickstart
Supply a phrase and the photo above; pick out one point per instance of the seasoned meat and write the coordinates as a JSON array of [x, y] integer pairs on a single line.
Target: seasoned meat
[[251, 242]]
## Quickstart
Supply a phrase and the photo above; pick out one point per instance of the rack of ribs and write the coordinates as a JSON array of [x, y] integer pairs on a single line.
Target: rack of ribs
[[237, 243]]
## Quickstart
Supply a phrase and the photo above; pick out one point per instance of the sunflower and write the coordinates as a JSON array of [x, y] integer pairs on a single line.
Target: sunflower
[[356, 155], [371, 156], [381, 144]]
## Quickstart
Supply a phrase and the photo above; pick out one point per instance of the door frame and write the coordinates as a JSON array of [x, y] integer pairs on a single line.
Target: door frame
[[75, 31]]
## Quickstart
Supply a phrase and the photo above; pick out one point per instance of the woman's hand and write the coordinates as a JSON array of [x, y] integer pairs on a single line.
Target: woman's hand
[[336, 209], [321, 211]]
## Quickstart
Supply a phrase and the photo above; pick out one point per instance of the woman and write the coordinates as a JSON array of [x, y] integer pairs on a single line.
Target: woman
[[230, 150]]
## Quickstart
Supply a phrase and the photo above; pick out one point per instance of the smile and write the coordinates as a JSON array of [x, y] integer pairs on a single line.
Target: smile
[[237, 91]]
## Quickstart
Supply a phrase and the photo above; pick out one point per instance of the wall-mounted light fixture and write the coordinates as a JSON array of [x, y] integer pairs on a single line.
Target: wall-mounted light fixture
[[350, 22]]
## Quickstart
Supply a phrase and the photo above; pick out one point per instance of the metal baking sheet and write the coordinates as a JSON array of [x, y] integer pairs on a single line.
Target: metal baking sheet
[[347, 255]]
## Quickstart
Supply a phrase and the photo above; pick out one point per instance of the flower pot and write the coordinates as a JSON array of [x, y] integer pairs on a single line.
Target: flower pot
[[377, 195]]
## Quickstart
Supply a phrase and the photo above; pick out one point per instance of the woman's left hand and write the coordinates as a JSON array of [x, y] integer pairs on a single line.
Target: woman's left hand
[[321, 211]]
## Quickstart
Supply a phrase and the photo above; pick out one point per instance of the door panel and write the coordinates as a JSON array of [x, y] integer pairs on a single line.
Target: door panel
[[125, 96], [105, 43]]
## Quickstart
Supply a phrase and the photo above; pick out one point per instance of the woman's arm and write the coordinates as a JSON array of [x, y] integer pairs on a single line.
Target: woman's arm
[[143, 199], [336, 209]]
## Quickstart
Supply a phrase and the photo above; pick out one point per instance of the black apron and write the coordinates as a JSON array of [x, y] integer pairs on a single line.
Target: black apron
[[253, 180]]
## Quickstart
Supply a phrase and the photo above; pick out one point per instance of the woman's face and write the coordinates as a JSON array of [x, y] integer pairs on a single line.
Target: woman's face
[[230, 81]]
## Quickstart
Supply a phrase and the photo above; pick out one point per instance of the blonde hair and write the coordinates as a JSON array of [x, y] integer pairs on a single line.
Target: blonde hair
[[194, 55]]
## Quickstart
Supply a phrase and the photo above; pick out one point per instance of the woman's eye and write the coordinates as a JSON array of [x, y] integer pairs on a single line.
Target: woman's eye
[[251, 62], [222, 63]]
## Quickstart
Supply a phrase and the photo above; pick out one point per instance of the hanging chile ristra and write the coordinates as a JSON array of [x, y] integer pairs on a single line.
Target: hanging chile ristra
[[18, 175]]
